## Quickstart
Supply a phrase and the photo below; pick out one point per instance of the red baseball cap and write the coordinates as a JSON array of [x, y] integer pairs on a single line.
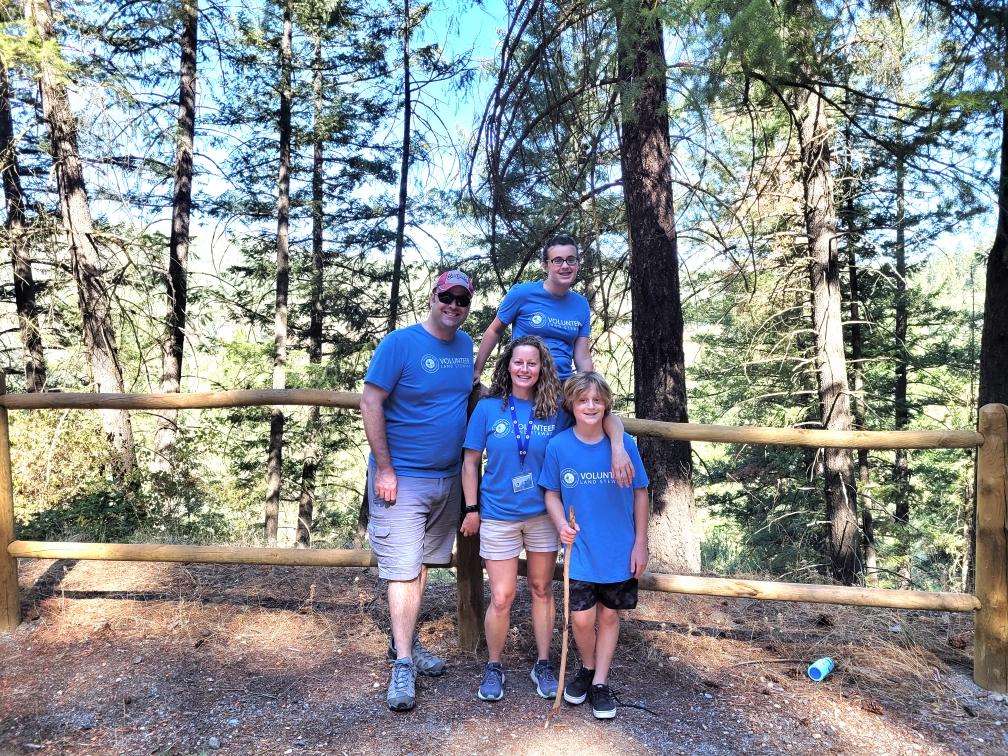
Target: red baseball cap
[[451, 278]]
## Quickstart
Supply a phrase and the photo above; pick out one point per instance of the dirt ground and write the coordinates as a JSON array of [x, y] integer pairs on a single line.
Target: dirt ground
[[192, 659]]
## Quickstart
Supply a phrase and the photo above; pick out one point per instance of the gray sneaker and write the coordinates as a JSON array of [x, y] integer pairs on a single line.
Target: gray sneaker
[[402, 686], [426, 663]]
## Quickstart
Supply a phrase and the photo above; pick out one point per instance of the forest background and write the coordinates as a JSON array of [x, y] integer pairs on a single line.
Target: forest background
[[788, 216]]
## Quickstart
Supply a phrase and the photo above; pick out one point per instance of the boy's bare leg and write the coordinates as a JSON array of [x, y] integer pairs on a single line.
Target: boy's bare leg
[[404, 597], [503, 574], [606, 638], [583, 624]]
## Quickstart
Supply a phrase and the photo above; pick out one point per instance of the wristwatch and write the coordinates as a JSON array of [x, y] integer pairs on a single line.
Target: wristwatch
[[470, 508]]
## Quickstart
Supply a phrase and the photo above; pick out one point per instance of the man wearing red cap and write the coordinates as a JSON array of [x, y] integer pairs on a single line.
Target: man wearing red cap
[[414, 410]]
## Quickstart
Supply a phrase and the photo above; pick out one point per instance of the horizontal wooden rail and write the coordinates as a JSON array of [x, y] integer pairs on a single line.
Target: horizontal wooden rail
[[810, 437], [761, 590], [765, 590], [158, 552], [749, 434], [204, 400]]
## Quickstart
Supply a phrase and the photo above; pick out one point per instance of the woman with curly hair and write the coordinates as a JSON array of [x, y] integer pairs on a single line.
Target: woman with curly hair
[[512, 425]]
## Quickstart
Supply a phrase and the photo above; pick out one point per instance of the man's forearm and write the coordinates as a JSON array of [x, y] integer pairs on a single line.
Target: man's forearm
[[374, 429]]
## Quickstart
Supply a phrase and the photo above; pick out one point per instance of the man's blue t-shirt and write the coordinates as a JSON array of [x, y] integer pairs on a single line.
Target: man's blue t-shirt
[[428, 381], [490, 428], [531, 310], [582, 473]]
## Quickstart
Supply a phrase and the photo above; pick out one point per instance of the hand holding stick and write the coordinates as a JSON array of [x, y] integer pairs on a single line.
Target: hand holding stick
[[566, 623]]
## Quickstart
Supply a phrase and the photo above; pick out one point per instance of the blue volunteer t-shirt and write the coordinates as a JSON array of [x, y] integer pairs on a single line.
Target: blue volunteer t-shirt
[[490, 428], [531, 310], [582, 473], [428, 381]]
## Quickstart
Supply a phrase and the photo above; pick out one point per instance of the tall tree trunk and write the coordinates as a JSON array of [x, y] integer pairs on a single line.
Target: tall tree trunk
[[831, 364], [657, 320], [994, 338], [857, 362], [178, 245], [18, 241], [274, 461], [95, 305], [901, 467], [313, 450], [400, 237]]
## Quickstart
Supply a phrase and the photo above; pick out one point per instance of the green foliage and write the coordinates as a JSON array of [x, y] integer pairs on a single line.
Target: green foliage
[[545, 159], [101, 515]]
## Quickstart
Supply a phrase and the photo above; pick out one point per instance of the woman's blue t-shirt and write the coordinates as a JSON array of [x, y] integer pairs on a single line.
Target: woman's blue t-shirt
[[604, 511], [490, 429], [531, 310]]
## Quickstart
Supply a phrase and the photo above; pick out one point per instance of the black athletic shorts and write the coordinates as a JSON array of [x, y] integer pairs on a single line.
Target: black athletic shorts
[[584, 595]]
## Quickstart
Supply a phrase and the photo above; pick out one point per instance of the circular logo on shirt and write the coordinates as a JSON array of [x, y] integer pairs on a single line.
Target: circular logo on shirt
[[537, 319], [568, 477], [429, 363], [501, 428]]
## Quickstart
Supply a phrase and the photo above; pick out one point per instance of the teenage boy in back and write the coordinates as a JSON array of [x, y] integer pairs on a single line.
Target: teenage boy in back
[[608, 546]]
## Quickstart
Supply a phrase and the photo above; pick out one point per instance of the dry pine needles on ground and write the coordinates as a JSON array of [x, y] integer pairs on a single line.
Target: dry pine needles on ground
[[154, 658]]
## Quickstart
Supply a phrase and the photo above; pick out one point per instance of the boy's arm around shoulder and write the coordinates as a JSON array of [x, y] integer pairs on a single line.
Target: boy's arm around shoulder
[[622, 465]]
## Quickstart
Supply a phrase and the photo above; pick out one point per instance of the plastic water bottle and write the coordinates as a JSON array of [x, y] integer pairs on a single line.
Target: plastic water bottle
[[820, 668]]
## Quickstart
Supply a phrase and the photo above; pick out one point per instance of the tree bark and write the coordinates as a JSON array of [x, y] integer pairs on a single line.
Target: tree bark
[[857, 361], [400, 237], [18, 240], [831, 364], [95, 304], [993, 388], [274, 460], [313, 450], [657, 320], [994, 339], [178, 245], [901, 467]]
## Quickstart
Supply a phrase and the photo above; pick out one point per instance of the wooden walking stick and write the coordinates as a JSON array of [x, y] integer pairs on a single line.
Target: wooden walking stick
[[566, 622]]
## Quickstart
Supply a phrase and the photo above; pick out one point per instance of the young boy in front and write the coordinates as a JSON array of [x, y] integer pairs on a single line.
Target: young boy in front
[[608, 547]]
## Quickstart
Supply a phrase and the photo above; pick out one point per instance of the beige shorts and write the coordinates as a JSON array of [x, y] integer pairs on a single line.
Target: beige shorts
[[504, 539], [417, 528]]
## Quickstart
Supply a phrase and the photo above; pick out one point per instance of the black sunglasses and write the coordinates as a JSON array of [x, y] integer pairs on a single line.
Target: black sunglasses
[[462, 300]]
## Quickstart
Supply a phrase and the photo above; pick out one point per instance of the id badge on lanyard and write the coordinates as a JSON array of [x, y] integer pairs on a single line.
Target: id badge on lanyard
[[523, 481]]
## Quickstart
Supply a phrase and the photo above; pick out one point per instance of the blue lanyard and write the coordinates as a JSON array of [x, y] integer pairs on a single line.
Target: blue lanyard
[[523, 442]]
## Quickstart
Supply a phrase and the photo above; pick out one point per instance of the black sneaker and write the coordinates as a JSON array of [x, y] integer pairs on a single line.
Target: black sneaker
[[602, 702], [577, 689]]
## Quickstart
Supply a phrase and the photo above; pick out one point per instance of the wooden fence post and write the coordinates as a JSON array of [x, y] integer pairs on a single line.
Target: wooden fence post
[[990, 644], [10, 611], [469, 579]]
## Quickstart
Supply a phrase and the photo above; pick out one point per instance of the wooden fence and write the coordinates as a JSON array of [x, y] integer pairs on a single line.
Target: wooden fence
[[990, 603]]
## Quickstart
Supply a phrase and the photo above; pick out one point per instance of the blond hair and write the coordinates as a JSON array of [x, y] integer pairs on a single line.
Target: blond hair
[[581, 383]]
